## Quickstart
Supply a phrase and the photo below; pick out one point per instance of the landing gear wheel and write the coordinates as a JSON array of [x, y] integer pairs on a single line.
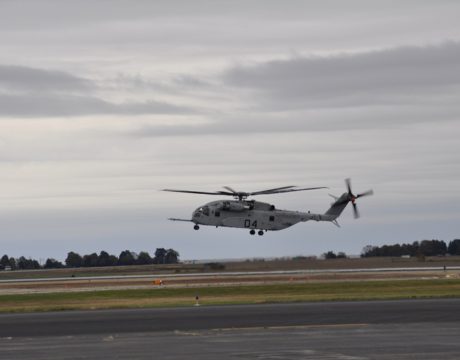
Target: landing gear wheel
[[252, 232], [196, 227], [260, 233]]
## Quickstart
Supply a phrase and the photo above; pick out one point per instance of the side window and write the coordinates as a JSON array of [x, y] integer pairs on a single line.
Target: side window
[[271, 218], [217, 213]]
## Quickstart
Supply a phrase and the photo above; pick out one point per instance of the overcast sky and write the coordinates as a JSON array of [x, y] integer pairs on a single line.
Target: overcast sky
[[104, 103]]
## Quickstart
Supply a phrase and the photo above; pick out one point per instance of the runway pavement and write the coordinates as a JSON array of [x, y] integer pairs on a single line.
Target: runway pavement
[[408, 329], [232, 274]]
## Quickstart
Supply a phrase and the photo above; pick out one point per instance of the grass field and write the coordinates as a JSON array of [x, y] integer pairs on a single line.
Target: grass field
[[249, 265], [168, 297]]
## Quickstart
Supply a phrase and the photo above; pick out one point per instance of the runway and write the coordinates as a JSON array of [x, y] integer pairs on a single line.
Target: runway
[[409, 329], [232, 274]]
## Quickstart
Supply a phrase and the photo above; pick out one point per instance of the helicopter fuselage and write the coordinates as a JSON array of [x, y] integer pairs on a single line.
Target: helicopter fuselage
[[250, 214]]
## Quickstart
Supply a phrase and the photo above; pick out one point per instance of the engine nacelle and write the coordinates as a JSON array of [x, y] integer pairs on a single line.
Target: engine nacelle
[[232, 206]]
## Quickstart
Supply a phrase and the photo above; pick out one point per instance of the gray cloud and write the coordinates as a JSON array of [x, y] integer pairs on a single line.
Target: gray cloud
[[31, 92], [190, 81], [331, 120], [377, 89], [379, 77], [66, 105], [24, 78]]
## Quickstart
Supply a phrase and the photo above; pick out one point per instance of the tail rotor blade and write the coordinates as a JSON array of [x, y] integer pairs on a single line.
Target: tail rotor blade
[[366, 193], [348, 183], [355, 211]]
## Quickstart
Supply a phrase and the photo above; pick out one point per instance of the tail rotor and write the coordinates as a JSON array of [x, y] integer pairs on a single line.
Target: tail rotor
[[352, 197]]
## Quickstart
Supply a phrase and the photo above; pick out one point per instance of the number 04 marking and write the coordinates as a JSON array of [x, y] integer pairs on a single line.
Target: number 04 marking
[[247, 223]]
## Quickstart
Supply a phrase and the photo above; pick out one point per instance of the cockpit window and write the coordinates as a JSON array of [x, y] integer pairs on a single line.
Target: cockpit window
[[202, 210]]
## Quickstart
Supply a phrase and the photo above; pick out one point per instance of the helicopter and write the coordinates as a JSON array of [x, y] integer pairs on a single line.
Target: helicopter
[[260, 216]]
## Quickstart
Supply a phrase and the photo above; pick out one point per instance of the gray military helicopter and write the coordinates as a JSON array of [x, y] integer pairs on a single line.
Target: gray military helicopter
[[261, 216]]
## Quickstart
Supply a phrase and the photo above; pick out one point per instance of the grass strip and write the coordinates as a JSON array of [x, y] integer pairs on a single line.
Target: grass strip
[[271, 293]]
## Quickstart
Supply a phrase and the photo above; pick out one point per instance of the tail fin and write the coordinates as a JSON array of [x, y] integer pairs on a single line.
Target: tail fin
[[338, 206], [341, 203]]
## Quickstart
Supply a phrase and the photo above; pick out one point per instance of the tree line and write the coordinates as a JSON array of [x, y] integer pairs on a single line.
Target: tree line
[[417, 248], [333, 255], [75, 260]]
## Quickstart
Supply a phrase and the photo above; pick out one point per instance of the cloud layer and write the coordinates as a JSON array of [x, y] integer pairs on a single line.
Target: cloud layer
[[102, 104], [32, 92], [392, 76]]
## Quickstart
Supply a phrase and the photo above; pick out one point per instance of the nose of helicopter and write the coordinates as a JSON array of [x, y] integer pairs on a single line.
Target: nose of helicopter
[[196, 215]]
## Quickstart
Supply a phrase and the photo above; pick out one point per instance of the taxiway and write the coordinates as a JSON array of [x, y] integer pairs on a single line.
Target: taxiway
[[407, 329]]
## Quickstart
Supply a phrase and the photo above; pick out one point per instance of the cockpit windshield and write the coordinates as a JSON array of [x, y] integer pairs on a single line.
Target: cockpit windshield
[[203, 210]]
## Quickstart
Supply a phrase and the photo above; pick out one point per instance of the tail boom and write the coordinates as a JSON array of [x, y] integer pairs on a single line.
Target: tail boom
[[337, 207]]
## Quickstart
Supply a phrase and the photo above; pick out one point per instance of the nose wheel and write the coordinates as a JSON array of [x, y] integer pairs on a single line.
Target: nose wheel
[[196, 227], [253, 232], [260, 233]]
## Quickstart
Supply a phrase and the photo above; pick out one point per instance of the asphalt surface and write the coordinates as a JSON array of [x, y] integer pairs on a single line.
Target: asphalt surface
[[409, 329]]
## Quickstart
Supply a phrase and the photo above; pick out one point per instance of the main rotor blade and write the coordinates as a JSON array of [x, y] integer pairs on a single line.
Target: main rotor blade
[[241, 194], [229, 189], [271, 190], [355, 211], [366, 193], [287, 190], [200, 192]]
